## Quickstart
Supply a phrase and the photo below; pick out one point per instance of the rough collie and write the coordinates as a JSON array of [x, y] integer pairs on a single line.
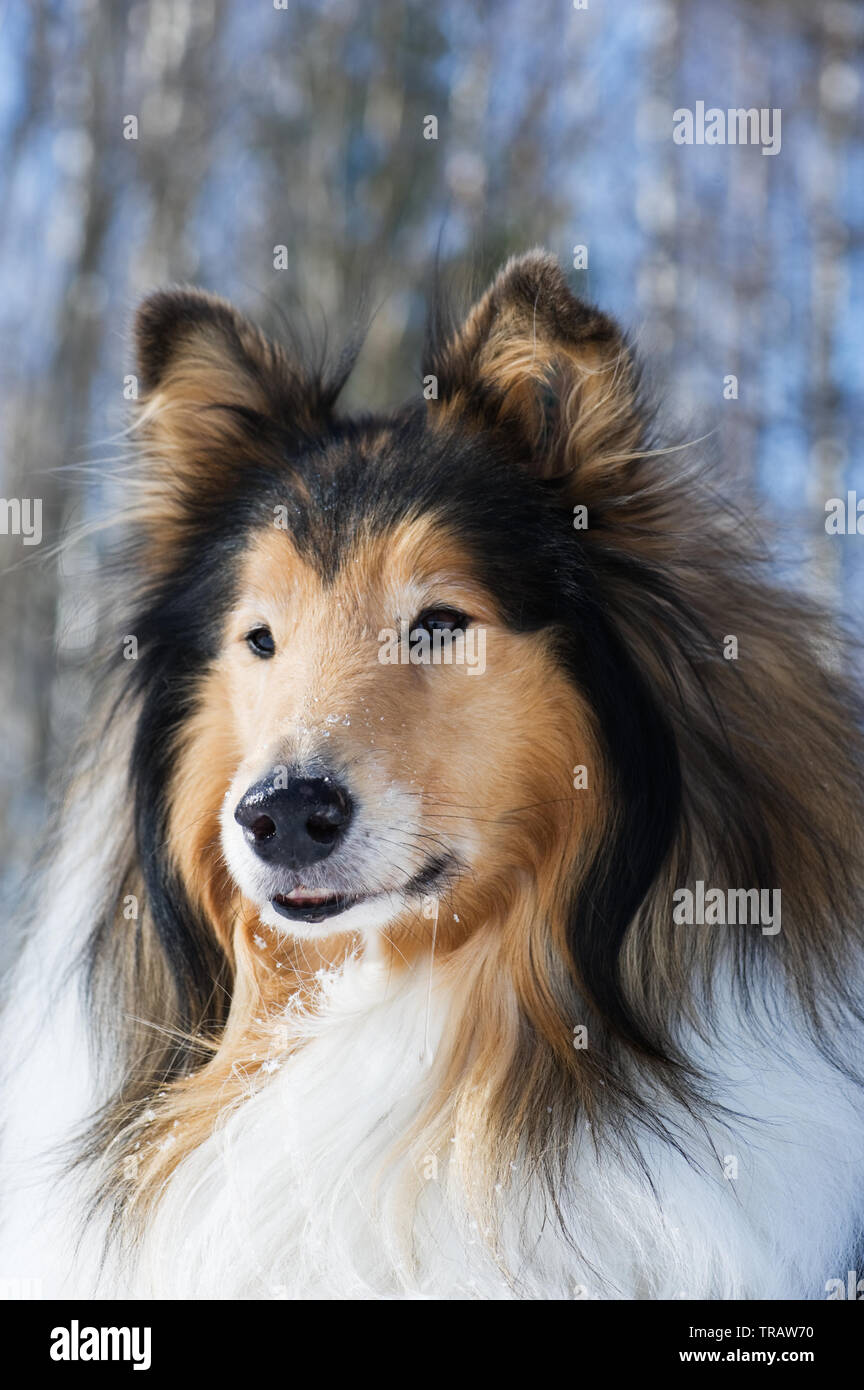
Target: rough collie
[[364, 967]]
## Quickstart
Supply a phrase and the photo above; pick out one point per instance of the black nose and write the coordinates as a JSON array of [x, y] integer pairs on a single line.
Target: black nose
[[297, 824]]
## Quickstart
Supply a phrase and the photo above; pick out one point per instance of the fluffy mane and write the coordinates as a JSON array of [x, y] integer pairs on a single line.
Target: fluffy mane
[[746, 773]]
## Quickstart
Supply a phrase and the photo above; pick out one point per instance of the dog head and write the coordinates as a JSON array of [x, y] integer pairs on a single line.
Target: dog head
[[383, 688]]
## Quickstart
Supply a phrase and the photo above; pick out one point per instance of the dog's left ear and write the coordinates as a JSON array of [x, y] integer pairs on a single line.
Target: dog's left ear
[[533, 358]]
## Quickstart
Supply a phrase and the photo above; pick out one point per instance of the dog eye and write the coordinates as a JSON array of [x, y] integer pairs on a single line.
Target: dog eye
[[260, 641], [441, 620]]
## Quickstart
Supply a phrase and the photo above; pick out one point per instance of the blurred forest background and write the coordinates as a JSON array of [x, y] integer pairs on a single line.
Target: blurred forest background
[[303, 126]]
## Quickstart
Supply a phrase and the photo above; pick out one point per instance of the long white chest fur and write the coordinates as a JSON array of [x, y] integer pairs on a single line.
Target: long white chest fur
[[301, 1191]]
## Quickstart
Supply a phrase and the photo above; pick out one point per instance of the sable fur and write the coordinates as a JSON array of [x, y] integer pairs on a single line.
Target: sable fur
[[608, 652]]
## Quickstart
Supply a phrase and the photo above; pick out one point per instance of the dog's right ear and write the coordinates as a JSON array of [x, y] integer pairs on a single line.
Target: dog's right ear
[[199, 359], [212, 390], [183, 332]]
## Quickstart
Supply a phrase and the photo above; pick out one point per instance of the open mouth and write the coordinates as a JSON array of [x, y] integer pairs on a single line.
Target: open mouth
[[314, 907], [302, 906]]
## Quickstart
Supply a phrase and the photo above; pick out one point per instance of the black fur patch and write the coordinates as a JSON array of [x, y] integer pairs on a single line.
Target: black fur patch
[[177, 634]]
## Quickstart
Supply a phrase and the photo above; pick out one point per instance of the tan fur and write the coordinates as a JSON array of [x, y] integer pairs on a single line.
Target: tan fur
[[406, 724], [491, 758]]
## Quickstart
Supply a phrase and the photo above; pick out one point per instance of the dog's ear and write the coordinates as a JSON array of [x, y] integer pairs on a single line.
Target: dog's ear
[[182, 333], [197, 355], [532, 358], [213, 390]]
